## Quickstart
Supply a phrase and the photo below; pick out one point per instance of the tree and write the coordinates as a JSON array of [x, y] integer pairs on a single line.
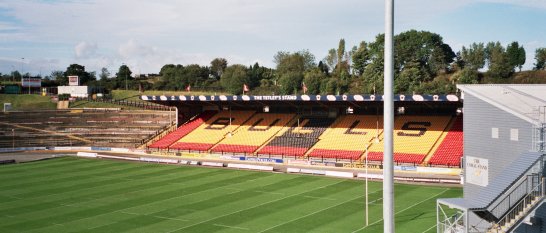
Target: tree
[[408, 80], [467, 76], [373, 76], [123, 77], [516, 55], [423, 49], [312, 80], [259, 73], [331, 59], [59, 77], [217, 67], [340, 55], [77, 70], [540, 57], [291, 68], [361, 58], [104, 74], [16, 76], [323, 68], [473, 57], [166, 69], [234, 77], [290, 82], [194, 75], [499, 63]]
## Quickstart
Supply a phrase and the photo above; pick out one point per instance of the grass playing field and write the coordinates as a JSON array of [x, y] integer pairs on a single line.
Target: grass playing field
[[90, 195]]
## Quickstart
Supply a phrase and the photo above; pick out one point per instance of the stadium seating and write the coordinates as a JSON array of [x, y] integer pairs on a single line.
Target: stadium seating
[[81, 127], [450, 151], [215, 129], [254, 133], [348, 138], [414, 138], [297, 139], [182, 131]]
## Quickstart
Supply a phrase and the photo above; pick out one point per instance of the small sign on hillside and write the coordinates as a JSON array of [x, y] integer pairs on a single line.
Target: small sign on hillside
[[7, 107]]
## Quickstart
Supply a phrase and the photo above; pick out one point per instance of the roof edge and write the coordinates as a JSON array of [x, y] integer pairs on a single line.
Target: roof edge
[[465, 88]]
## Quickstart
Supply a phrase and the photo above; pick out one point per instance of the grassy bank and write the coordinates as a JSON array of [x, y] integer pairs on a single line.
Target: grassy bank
[[27, 102]]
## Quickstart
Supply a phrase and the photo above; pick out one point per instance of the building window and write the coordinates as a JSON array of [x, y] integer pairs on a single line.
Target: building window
[[494, 132], [514, 134]]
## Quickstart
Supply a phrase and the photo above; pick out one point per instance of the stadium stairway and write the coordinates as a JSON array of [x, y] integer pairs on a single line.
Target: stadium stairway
[[299, 138], [254, 133], [183, 130]]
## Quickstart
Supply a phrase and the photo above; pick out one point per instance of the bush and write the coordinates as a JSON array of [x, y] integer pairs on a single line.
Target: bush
[[64, 97]]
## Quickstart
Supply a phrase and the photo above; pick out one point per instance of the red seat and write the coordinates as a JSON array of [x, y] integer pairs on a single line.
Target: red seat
[[182, 131]]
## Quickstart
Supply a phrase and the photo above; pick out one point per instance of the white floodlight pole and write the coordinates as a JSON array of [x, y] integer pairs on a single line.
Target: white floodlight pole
[[367, 218], [388, 121]]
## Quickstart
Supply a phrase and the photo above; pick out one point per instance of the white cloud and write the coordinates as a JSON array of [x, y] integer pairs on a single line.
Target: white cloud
[[148, 34], [134, 49], [85, 49]]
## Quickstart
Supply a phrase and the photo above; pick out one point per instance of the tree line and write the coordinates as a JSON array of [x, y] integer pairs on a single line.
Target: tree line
[[423, 64]]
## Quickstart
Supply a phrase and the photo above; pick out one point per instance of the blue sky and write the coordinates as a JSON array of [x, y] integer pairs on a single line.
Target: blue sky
[[145, 34]]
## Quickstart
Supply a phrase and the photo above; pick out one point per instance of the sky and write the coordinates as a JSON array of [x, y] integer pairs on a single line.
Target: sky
[[41, 36]]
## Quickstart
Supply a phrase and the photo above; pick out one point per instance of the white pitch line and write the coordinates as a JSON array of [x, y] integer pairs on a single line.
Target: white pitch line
[[264, 203], [155, 216], [68, 204], [307, 215], [409, 207], [175, 219], [269, 192], [430, 228], [232, 227], [130, 213], [322, 198]]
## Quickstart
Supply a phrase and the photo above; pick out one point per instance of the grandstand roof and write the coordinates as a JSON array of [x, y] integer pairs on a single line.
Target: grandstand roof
[[321, 98], [527, 101], [302, 100]]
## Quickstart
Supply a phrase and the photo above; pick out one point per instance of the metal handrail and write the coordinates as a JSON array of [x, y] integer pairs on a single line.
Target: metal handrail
[[521, 189], [519, 210]]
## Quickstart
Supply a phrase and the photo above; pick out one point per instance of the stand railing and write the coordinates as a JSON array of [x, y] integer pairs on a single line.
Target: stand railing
[[520, 210]]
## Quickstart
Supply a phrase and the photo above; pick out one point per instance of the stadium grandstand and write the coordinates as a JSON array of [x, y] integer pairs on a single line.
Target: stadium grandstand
[[332, 128], [82, 127], [504, 147]]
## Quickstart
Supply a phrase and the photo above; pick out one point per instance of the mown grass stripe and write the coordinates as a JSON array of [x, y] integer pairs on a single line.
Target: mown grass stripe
[[55, 171], [82, 197], [86, 213], [23, 167], [78, 175]]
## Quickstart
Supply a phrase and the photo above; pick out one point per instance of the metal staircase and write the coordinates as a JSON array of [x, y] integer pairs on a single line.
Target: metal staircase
[[522, 208]]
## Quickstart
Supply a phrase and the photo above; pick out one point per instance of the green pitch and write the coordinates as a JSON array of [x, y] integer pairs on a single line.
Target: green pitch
[[92, 195]]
